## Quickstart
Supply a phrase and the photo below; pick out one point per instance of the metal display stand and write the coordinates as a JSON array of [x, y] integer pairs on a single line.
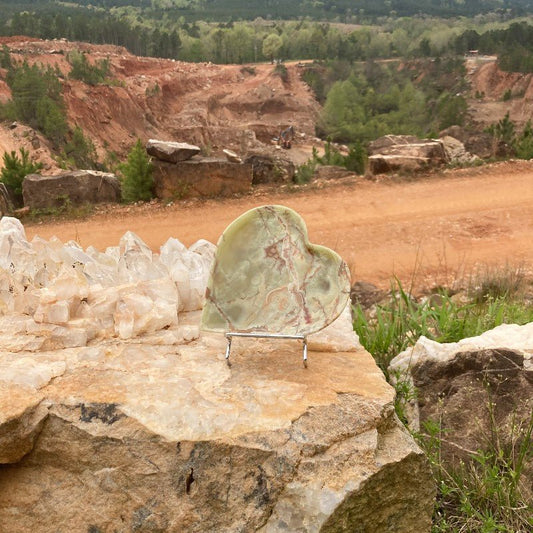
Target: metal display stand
[[230, 335]]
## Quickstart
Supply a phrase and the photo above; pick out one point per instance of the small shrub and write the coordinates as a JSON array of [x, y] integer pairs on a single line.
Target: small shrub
[[356, 158], [153, 91], [36, 100], [281, 70], [5, 58], [137, 181], [80, 151], [82, 70], [14, 171], [507, 95], [305, 172], [524, 142]]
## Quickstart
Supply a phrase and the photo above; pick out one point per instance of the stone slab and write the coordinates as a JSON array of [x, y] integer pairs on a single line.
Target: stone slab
[[268, 278]]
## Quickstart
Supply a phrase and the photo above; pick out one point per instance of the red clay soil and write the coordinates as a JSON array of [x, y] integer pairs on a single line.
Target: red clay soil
[[437, 228]]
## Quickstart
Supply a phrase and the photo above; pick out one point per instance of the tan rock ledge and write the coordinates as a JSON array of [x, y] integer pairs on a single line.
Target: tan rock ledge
[[146, 435]]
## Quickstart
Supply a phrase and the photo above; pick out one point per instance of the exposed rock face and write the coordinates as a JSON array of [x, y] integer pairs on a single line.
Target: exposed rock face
[[150, 436], [78, 187], [270, 166], [201, 177], [404, 152], [173, 152], [457, 382]]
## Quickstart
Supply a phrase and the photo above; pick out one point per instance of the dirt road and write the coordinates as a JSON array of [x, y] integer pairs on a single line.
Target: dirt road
[[438, 227]]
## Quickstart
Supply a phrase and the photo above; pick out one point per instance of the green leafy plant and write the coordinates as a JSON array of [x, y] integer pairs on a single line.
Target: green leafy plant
[[5, 58], [137, 180], [305, 172], [281, 70], [524, 142], [14, 171], [504, 130]]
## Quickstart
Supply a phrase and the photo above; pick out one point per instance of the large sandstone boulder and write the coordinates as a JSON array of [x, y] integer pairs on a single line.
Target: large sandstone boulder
[[201, 177], [149, 435], [170, 151], [270, 166], [77, 187], [404, 152], [474, 388]]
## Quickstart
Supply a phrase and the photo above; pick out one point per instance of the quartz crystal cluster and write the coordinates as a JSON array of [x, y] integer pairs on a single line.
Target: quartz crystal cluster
[[125, 291]]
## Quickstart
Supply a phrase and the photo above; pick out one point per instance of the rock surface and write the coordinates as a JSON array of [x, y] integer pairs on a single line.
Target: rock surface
[[77, 187], [332, 172], [268, 278], [173, 152], [404, 152], [150, 435], [456, 151], [201, 177], [116, 416], [480, 144], [231, 156], [473, 388], [270, 166]]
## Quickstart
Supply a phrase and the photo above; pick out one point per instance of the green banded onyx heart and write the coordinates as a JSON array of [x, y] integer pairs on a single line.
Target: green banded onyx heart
[[268, 278]]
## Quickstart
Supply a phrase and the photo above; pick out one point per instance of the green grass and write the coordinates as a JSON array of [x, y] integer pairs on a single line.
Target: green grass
[[486, 493], [400, 322], [66, 211]]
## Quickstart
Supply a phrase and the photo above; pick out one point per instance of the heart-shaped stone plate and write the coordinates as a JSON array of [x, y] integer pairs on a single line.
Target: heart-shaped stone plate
[[268, 278]]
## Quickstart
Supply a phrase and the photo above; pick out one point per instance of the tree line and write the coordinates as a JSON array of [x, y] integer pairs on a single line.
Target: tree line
[[347, 11]]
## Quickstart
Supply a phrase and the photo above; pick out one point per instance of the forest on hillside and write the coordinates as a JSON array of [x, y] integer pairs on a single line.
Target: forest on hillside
[[367, 77], [348, 11]]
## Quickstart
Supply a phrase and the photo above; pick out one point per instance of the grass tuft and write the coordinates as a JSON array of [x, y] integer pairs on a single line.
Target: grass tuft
[[487, 492]]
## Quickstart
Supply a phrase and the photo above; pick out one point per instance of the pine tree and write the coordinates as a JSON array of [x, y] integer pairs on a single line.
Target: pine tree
[[137, 182], [14, 171]]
